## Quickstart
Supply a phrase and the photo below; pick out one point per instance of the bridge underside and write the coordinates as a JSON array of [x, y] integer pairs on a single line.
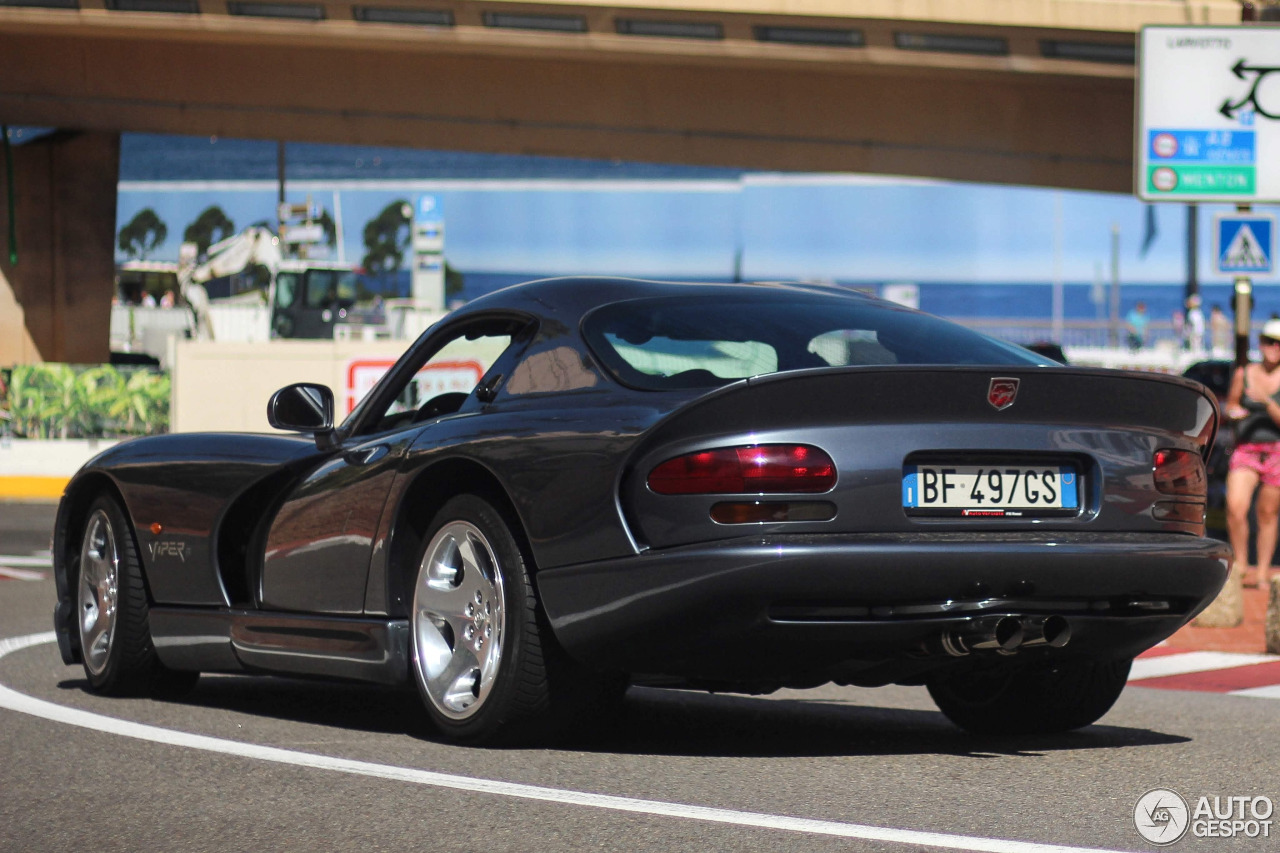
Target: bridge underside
[[1035, 93], [971, 93]]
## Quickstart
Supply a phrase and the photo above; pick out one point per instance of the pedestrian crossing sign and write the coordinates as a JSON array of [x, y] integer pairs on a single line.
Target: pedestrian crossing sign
[[1244, 244]]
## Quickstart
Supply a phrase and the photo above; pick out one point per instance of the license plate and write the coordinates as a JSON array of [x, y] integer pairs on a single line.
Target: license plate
[[990, 491]]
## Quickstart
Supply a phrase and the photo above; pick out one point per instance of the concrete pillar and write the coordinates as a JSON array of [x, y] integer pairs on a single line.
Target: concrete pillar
[[55, 303]]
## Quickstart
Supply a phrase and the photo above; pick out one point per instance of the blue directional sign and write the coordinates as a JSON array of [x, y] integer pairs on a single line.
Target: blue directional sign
[[1244, 244], [430, 208], [1201, 146]]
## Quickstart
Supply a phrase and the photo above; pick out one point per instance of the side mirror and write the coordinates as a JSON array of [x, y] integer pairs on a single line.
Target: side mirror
[[304, 407]]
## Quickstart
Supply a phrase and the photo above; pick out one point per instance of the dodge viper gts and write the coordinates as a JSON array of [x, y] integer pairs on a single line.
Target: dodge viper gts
[[717, 487]]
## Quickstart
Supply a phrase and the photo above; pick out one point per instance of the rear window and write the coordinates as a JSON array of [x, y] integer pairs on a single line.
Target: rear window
[[690, 342]]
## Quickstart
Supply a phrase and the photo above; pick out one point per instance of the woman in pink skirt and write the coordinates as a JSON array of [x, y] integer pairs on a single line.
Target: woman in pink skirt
[[1253, 403]]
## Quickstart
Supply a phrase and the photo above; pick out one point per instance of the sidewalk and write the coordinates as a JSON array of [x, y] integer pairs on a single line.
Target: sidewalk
[[1248, 636]]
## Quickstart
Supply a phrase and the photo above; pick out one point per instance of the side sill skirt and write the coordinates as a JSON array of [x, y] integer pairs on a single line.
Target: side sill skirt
[[374, 650]]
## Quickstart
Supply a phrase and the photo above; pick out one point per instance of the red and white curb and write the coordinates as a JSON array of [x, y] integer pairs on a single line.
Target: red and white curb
[[1233, 673], [24, 568]]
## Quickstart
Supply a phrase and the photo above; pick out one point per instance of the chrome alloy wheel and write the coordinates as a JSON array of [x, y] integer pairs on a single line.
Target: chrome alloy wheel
[[459, 609], [99, 592]]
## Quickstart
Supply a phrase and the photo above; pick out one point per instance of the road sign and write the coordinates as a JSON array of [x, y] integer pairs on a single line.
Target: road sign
[[427, 280], [435, 378], [1208, 114], [1244, 244], [311, 232]]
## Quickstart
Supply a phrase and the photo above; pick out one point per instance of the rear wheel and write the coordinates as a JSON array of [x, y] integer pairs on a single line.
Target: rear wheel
[[1047, 700], [484, 659], [111, 611], [477, 647]]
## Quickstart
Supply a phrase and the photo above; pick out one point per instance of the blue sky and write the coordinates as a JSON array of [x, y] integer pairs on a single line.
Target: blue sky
[[591, 218]]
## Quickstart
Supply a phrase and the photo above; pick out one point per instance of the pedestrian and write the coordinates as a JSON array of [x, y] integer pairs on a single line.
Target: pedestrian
[[1220, 332], [1136, 324], [1195, 325], [1253, 476]]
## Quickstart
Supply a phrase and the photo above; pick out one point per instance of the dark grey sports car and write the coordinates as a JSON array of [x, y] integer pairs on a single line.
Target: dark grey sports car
[[721, 487]]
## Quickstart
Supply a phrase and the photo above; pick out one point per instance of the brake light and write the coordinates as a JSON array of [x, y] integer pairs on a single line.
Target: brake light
[[765, 468], [1179, 472]]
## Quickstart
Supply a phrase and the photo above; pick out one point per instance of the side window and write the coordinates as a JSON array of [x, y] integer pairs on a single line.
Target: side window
[[322, 288], [552, 371], [444, 379], [286, 289]]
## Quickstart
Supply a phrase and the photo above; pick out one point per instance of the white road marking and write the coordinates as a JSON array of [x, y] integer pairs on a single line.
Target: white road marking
[[28, 562], [24, 704], [1192, 662], [21, 574], [1271, 691]]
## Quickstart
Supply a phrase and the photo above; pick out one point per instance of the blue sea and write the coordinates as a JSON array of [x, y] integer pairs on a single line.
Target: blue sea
[[154, 158]]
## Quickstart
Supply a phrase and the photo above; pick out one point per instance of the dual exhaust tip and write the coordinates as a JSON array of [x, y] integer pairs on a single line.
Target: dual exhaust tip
[[1006, 634]]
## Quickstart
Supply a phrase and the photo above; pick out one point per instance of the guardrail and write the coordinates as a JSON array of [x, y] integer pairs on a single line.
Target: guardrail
[[1075, 333]]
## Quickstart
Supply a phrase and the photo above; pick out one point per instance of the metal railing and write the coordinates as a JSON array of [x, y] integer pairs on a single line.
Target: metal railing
[[1075, 333]]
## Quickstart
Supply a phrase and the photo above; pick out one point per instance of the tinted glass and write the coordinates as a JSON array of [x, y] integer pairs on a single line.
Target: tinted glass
[[286, 289], [330, 288], [435, 380], [682, 342]]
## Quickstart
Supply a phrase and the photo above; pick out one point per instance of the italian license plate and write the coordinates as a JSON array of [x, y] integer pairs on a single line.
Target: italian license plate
[[990, 491]]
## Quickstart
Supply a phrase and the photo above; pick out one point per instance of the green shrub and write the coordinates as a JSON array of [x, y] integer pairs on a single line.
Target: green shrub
[[97, 401]]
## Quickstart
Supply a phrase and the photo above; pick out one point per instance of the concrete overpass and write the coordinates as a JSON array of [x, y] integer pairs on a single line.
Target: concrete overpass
[[1035, 92]]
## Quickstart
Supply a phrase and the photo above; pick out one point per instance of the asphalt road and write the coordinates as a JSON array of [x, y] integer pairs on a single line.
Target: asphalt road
[[309, 766]]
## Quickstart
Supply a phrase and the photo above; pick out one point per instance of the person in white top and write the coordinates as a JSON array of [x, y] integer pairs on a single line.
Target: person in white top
[[1195, 324]]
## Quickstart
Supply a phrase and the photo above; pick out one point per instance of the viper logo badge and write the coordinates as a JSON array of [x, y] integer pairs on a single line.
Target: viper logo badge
[[1002, 391]]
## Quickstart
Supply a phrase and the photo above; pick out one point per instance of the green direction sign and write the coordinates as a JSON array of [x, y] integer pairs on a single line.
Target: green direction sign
[[1184, 179]]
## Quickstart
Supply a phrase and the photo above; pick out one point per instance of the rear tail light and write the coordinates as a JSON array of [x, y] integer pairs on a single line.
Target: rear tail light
[[1179, 472], [765, 468]]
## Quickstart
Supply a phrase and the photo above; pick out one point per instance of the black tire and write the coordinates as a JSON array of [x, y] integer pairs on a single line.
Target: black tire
[[1046, 700], [483, 657], [112, 611]]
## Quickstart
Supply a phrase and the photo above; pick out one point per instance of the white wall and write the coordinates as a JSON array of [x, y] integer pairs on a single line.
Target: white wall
[[225, 386]]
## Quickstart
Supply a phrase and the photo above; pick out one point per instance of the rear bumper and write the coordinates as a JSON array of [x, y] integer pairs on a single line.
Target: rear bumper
[[812, 608]]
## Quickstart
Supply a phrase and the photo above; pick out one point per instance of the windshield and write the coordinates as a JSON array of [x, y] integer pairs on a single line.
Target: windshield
[[682, 342]]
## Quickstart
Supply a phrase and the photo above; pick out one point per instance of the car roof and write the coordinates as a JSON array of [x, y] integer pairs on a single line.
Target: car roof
[[572, 297]]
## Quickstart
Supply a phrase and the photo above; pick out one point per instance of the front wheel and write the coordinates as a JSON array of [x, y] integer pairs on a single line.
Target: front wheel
[[1058, 698], [112, 611]]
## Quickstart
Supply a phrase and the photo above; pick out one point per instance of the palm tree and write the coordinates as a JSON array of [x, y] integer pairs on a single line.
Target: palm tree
[[211, 221], [143, 235], [386, 238], [330, 229]]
